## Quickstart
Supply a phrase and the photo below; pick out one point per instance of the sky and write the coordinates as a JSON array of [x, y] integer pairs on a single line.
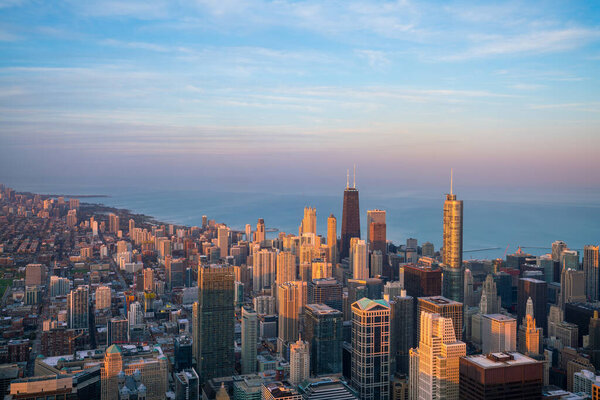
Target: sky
[[286, 95]]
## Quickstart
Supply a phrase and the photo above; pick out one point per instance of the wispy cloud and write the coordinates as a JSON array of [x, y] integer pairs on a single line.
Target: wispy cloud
[[530, 43], [377, 59]]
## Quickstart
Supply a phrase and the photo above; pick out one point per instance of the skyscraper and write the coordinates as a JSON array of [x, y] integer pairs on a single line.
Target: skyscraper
[[286, 267], [557, 248], [350, 218], [223, 241], [326, 291], [263, 269], [118, 331], [291, 297], [299, 362], [332, 239], [323, 332], [103, 297], [490, 301], [249, 339], [446, 308], [453, 247], [213, 325], [594, 337], [499, 333], [435, 364], [376, 230], [260, 231], [113, 223], [360, 269], [537, 290], [78, 308], [500, 376], [149, 279], [371, 349], [590, 267], [309, 222], [113, 365], [401, 330]]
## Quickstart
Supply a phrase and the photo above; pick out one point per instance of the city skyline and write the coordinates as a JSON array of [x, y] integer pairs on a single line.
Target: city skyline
[[175, 88]]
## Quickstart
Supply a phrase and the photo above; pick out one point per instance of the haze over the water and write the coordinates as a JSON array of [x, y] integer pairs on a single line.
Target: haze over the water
[[284, 96]]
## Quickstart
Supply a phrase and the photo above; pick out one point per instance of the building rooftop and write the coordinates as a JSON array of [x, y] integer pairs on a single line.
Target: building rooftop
[[322, 309], [500, 317], [439, 300], [500, 360], [367, 304]]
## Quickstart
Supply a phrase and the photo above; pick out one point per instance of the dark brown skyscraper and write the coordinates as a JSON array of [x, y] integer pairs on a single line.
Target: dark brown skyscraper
[[350, 217]]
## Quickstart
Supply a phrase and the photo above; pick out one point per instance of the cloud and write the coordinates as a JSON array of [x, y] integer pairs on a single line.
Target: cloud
[[376, 59], [530, 43]]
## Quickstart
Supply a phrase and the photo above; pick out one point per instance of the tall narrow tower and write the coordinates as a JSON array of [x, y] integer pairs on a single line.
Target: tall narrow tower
[[350, 217], [332, 239], [213, 325], [453, 247]]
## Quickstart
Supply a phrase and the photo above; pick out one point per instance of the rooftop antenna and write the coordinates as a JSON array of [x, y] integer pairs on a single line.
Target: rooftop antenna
[[347, 178], [354, 183], [451, 173]]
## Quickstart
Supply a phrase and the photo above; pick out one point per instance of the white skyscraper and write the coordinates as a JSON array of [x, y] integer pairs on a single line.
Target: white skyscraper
[[436, 361], [360, 268], [299, 362], [249, 339], [498, 333]]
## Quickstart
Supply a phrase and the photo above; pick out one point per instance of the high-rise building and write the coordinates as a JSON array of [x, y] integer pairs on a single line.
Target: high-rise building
[[263, 269], [360, 268], [286, 267], [569, 259], [175, 272], [113, 365], [537, 290], [131, 227], [223, 241], [187, 385], [530, 336], [299, 362], [490, 302], [78, 308], [260, 235], [590, 268], [309, 222], [401, 331], [446, 308], [350, 218], [427, 249], [249, 340], [376, 264], [332, 239], [453, 247], [248, 233], [323, 332], [103, 297], [59, 286], [499, 333], [594, 338], [500, 376], [572, 286], [35, 274], [371, 349], [118, 331], [435, 363], [113, 223], [291, 297], [557, 248], [376, 231], [149, 279], [213, 324], [182, 352], [326, 291], [422, 281], [135, 315]]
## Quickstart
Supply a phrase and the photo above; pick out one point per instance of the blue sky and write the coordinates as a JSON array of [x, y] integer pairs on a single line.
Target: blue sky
[[236, 94]]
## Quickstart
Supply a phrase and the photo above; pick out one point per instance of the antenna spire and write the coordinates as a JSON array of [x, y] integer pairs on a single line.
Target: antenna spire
[[451, 179], [347, 178], [354, 183]]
